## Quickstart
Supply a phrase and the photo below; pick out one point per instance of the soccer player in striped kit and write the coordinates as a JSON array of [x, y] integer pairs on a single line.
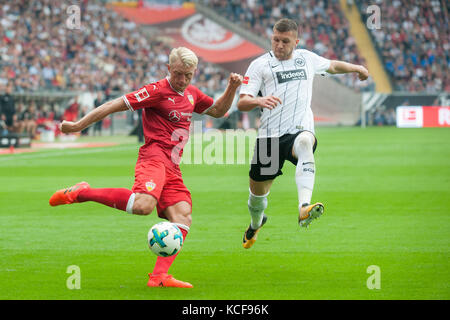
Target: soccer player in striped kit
[[280, 83], [167, 107]]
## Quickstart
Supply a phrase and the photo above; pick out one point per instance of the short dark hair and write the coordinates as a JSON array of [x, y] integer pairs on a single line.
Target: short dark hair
[[285, 25]]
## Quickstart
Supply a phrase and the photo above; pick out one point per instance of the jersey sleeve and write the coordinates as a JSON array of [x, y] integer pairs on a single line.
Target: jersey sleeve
[[321, 64], [146, 97], [203, 102], [251, 84]]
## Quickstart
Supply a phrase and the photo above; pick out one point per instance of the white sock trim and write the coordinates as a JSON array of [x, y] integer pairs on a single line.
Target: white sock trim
[[130, 203], [254, 195], [182, 226]]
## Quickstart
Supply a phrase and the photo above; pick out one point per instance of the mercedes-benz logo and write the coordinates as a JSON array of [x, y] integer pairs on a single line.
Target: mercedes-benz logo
[[174, 116]]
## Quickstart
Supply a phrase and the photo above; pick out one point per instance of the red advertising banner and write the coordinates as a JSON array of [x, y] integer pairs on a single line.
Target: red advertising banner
[[436, 116], [423, 116], [154, 15]]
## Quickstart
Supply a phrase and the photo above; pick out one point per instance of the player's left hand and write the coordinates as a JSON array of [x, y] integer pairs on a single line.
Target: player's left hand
[[235, 80], [363, 73]]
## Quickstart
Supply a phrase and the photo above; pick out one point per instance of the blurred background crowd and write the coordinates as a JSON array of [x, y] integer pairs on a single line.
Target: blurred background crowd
[[414, 43], [112, 54]]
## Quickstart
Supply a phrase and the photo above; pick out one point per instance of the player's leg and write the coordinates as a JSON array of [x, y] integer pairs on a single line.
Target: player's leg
[[175, 205], [118, 198], [257, 200], [179, 214], [257, 203], [265, 167], [140, 200], [303, 151], [150, 178], [142, 204]]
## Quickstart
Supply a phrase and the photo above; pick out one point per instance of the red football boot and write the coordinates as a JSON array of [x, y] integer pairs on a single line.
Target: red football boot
[[166, 280], [68, 195]]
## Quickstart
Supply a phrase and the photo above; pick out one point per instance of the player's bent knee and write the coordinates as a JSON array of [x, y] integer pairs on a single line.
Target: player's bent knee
[[304, 143], [142, 209], [144, 205], [306, 140]]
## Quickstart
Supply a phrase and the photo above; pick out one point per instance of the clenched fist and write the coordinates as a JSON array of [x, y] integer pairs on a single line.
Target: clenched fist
[[68, 127], [235, 80], [363, 73]]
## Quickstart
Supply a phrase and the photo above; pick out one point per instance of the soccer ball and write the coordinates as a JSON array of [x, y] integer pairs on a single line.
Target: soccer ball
[[165, 239]]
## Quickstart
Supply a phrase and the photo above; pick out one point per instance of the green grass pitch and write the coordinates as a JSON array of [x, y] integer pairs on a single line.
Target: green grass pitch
[[387, 203]]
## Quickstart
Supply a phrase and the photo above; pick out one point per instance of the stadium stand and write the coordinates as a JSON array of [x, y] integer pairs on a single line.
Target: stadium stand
[[109, 52], [414, 43], [38, 53], [323, 27]]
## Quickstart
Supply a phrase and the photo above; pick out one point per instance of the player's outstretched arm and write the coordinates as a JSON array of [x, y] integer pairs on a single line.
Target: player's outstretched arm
[[223, 103], [95, 115], [248, 103], [345, 67]]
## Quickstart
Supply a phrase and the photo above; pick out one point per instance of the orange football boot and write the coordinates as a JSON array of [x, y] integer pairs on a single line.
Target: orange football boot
[[250, 234], [166, 280], [68, 195], [308, 213]]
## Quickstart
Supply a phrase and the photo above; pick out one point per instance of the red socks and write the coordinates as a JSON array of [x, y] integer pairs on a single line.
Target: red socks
[[163, 263], [112, 197]]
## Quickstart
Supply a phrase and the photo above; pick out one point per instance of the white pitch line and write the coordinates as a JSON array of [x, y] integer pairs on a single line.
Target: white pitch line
[[28, 156]]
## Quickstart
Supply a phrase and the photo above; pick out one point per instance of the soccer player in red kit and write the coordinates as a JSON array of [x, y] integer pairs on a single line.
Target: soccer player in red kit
[[167, 110]]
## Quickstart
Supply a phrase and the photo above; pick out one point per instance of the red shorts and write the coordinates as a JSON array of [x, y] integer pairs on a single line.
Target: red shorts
[[163, 182]]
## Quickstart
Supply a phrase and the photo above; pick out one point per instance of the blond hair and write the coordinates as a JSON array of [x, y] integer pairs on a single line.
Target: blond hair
[[185, 55]]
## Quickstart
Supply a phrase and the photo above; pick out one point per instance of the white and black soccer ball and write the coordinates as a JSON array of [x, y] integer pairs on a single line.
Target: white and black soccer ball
[[165, 239]]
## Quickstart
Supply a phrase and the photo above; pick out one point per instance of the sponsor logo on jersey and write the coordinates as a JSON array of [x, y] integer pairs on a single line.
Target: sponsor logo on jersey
[[142, 94], [150, 185], [174, 116], [191, 99], [285, 76], [246, 79], [171, 99]]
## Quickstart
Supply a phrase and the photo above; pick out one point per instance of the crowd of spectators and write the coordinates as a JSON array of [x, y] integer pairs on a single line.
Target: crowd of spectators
[[414, 42], [322, 25], [40, 51], [27, 116]]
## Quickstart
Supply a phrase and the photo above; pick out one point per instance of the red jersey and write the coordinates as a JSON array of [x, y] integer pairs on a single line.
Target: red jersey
[[166, 117]]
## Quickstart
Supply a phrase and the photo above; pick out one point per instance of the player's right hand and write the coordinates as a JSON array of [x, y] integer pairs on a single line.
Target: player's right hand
[[269, 102], [67, 127], [363, 73]]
